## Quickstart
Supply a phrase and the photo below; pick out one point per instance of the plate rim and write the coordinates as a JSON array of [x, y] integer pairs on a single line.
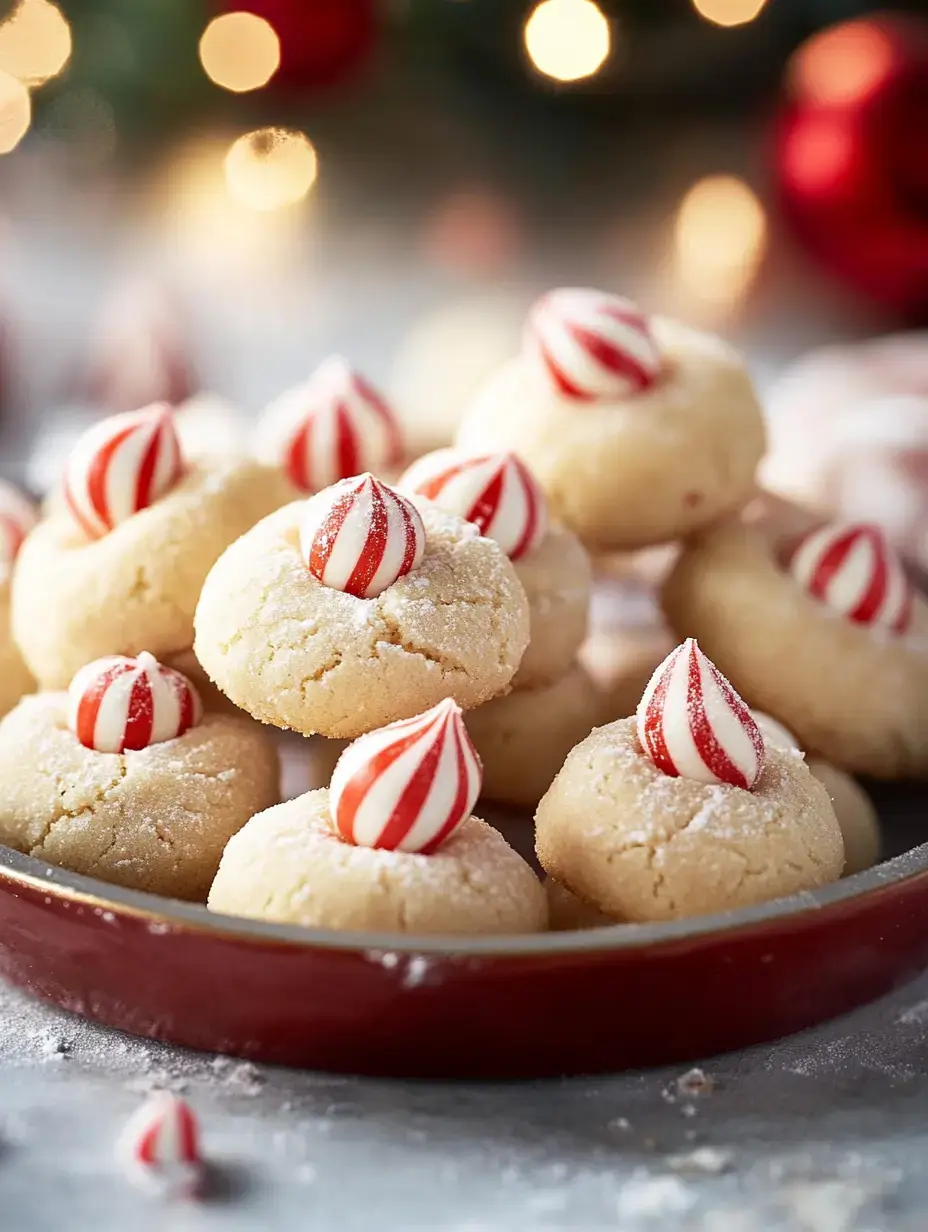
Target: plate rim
[[27, 871]]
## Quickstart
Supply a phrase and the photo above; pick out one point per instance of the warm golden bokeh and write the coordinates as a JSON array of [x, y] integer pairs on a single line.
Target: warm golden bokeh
[[719, 237], [567, 39], [35, 42], [15, 112], [270, 168], [240, 52], [728, 12], [842, 65]]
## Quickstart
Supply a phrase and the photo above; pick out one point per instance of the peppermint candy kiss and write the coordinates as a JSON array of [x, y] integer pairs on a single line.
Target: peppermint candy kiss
[[162, 1143], [121, 465], [855, 571], [407, 787], [360, 536], [591, 345], [18, 515], [333, 426], [119, 703], [495, 491], [693, 725]]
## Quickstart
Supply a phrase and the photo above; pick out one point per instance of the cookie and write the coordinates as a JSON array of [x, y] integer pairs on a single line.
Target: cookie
[[117, 577], [860, 827], [567, 912], [524, 737], [154, 818], [390, 846], [18, 515], [502, 498], [805, 631], [300, 653], [640, 430], [685, 810]]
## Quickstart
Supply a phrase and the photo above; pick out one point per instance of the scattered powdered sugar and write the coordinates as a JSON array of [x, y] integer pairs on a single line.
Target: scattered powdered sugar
[[705, 1160], [654, 1197], [695, 1082]]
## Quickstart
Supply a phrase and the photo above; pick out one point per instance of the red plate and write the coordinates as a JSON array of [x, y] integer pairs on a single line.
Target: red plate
[[559, 1003]]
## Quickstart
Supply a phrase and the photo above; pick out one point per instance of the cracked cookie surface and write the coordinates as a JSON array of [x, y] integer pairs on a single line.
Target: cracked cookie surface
[[156, 819], [290, 865], [75, 600], [300, 655], [640, 845], [557, 578]]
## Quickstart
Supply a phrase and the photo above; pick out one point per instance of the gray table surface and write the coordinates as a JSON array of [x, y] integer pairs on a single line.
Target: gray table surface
[[823, 1132]]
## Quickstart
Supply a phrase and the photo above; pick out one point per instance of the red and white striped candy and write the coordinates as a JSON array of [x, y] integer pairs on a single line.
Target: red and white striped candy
[[162, 1142], [407, 787], [331, 427], [121, 465], [855, 571], [18, 515], [119, 703], [693, 724], [591, 345], [360, 536], [495, 491]]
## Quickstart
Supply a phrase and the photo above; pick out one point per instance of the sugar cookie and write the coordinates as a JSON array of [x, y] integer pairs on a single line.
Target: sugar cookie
[[685, 810], [523, 738], [811, 633], [154, 816], [860, 827], [121, 568], [390, 846], [639, 430], [18, 515], [567, 912], [301, 653], [502, 498]]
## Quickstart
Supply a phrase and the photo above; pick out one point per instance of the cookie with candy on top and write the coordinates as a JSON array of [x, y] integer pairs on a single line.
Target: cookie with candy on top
[[685, 809], [123, 777], [499, 494], [118, 564], [354, 608], [18, 515], [820, 627], [390, 846], [639, 428], [332, 426]]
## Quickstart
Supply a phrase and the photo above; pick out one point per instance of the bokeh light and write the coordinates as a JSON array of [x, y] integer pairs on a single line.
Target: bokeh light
[[240, 52], [728, 12], [567, 39], [270, 168], [35, 42], [719, 237], [819, 154], [15, 112], [842, 65]]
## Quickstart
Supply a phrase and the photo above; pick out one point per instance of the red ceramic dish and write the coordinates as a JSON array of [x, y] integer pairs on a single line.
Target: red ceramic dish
[[559, 1003]]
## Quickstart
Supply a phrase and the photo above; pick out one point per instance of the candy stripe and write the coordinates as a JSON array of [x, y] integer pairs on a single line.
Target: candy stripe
[[854, 571], [409, 786], [119, 704], [496, 492], [120, 466], [590, 345], [331, 427], [163, 1134], [360, 536], [692, 723]]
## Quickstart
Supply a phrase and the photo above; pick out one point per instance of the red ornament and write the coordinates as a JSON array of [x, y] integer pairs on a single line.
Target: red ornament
[[852, 156], [322, 42]]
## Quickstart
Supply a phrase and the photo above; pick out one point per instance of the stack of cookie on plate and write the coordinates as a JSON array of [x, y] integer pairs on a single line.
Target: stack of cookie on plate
[[436, 617]]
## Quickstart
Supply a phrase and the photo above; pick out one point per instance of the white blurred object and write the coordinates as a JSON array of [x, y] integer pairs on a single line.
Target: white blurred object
[[208, 424], [445, 358], [849, 437], [138, 351], [58, 432]]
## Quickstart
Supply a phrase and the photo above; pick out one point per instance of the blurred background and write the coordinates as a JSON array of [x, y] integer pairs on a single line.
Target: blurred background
[[217, 193]]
